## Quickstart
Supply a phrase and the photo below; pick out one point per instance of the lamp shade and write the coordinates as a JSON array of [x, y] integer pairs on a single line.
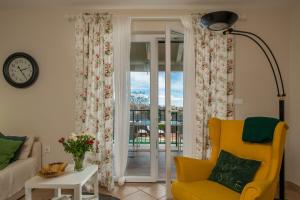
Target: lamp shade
[[219, 21]]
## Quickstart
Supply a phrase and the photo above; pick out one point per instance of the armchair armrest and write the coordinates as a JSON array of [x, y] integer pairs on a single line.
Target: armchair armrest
[[189, 169], [256, 190]]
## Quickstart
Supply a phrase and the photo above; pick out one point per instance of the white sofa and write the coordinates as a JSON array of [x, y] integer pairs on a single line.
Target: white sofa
[[14, 176]]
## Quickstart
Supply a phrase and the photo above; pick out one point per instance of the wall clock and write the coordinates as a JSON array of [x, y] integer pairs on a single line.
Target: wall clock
[[20, 70]]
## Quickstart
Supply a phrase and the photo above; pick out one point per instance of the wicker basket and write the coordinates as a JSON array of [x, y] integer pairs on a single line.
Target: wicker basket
[[53, 170]]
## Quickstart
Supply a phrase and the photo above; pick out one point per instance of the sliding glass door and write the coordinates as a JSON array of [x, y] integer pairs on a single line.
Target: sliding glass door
[[174, 51], [176, 102], [142, 154], [156, 106]]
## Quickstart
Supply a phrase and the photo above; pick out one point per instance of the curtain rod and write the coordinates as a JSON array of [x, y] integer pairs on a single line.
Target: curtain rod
[[72, 17], [156, 17]]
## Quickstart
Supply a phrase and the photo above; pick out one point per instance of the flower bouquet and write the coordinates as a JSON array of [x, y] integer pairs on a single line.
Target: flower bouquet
[[78, 145]]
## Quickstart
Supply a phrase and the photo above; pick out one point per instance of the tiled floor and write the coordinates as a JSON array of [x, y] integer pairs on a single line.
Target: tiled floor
[[131, 191], [148, 191], [134, 191], [292, 191], [140, 191]]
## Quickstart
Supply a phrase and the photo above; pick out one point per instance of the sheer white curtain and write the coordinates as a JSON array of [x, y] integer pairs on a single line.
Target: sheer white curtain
[[121, 62], [189, 86]]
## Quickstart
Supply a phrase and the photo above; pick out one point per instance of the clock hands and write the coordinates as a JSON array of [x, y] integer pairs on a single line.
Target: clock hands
[[24, 69], [22, 72]]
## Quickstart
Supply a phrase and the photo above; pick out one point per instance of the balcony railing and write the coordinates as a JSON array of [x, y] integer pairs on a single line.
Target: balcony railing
[[140, 126]]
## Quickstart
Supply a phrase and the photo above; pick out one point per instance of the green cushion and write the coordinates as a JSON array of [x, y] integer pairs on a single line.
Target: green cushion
[[259, 129], [234, 172], [17, 138], [7, 151]]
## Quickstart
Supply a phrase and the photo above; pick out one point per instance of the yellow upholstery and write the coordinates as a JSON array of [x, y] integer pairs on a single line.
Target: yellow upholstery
[[192, 174]]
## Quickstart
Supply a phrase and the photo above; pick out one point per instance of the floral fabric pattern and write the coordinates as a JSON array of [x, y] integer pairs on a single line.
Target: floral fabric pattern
[[214, 82], [94, 88]]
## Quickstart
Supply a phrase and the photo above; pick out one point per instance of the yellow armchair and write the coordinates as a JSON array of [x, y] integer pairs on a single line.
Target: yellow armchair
[[192, 174]]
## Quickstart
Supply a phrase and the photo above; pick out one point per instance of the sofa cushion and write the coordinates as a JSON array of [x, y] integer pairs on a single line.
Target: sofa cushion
[[7, 151], [17, 138], [13, 177], [234, 172], [202, 190], [26, 148]]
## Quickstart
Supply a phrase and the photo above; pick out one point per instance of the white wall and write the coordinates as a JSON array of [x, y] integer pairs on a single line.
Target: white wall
[[254, 80], [293, 139], [46, 108]]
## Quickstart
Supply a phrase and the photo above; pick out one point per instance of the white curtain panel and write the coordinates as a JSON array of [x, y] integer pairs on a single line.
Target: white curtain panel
[[189, 86], [121, 62], [214, 82], [94, 88]]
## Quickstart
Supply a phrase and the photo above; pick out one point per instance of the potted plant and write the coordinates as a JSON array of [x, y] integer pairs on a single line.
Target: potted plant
[[78, 145]]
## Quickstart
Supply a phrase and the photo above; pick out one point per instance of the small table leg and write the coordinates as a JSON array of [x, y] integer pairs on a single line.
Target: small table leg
[[57, 192], [28, 195], [77, 192]]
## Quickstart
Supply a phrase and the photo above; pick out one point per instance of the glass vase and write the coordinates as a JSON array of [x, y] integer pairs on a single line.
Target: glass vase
[[78, 163]]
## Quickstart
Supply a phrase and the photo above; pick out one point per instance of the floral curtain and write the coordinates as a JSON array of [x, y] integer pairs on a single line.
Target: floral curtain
[[214, 82], [94, 88]]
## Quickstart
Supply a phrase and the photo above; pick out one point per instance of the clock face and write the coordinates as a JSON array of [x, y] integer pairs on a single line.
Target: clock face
[[20, 70]]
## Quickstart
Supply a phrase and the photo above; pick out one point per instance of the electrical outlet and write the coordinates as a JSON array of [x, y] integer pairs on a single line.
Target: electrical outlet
[[47, 149]]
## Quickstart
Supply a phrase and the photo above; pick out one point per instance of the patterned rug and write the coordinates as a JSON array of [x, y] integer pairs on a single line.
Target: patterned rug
[[107, 197]]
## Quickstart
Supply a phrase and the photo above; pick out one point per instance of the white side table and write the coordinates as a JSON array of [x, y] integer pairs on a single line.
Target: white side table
[[70, 180]]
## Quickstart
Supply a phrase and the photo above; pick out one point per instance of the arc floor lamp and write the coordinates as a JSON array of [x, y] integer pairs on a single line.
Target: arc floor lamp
[[222, 21]]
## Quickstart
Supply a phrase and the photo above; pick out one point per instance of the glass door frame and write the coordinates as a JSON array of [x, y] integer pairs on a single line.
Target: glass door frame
[[154, 140], [168, 108], [152, 40]]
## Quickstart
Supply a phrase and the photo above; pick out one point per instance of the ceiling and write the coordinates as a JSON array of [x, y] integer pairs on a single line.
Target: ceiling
[[139, 3], [140, 56]]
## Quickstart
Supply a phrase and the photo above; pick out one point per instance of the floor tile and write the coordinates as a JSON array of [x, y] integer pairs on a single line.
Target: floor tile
[[140, 195], [155, 190], [141, 186], [163, 198], [123, 191], [141, 191]]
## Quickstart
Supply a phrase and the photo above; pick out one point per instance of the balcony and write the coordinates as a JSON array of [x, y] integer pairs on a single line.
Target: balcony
[[139, 141]]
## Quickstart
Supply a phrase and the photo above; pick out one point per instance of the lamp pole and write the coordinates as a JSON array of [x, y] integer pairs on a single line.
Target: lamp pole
[[279, 86], [282, 169]]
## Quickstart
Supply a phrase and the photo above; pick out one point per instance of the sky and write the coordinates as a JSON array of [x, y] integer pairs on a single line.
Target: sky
[[140, 82]]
